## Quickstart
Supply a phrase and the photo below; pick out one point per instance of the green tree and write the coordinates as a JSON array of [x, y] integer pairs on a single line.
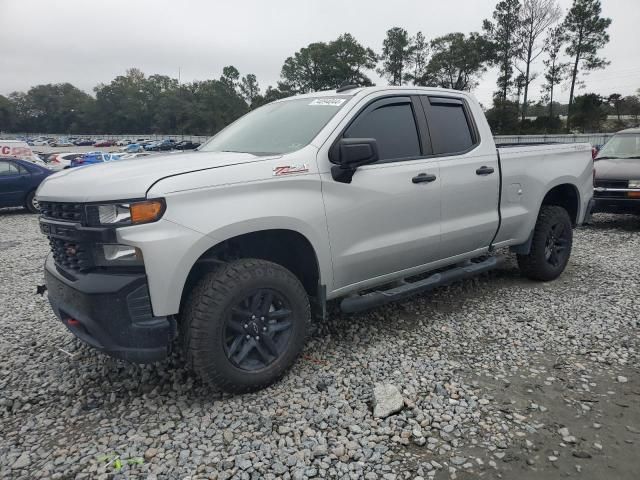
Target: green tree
[[555, 69], [631, 106], [230, 78], [419, 53], [503, 117], [351, 59], [53, 108], [536, 16], [456, 61], [585, 33], [323, 66], [250, 89], [616, 101], [588, 114], [7, 115], [503, 34], [396, 56], [123, 104]]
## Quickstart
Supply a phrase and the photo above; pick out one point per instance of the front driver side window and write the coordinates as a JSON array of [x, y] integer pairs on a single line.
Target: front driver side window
[[393, 126]]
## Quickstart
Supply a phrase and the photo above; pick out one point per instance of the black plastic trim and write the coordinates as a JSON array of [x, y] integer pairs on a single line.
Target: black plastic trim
[[77, 232], [111, 312]]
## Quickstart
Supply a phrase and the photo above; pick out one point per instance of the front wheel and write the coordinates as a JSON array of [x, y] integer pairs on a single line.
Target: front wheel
[[550, 246], [31, 203], [245, 324]]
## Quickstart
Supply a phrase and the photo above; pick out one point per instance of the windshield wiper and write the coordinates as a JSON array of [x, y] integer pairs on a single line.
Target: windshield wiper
[[607, 158]]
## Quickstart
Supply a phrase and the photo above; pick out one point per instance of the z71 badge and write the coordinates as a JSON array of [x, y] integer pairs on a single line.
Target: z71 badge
[[290, 169]]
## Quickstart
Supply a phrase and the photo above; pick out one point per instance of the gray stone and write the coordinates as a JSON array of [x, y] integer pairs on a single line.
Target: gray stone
[[387, 400]]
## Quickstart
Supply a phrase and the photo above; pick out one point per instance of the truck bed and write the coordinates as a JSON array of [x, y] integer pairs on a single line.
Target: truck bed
[[529, 169]]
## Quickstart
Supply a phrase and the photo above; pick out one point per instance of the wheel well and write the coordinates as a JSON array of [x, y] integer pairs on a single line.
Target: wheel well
[[284, 247], [565, 196]]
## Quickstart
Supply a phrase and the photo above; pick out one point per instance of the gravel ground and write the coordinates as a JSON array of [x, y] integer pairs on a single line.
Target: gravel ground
[[500, 377]]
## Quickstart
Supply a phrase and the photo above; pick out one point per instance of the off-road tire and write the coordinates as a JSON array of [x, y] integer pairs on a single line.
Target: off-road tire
[[208, 306], [28, 203], [535, 264]]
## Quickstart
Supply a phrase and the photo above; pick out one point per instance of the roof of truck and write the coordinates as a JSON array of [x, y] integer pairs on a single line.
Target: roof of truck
[[630, 130], [354, 91]]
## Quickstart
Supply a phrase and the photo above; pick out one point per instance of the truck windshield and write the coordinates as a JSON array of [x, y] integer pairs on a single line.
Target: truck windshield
[[624, 145], [277, 128]]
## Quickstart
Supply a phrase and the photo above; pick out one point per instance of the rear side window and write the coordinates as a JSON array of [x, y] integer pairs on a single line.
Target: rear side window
[[449, 127], [392, 125], [8, 169]]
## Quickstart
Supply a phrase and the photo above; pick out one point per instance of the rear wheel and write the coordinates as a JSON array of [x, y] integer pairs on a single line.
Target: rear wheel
[[31, 203], [245, 324], [550, 246]]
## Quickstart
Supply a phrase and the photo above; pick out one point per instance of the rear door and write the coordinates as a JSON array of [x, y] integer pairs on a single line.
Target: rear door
[[388, 218], [14, 181], [470, 179]]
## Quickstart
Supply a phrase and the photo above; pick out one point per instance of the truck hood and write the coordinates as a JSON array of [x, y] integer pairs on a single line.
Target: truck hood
[[129, 179], [618, 169]]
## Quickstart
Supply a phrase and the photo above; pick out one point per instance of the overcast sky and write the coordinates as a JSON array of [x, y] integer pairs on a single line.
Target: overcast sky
[[87, 42]]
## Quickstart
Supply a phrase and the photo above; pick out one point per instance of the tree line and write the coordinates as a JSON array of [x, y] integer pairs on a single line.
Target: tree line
[[514, 39]]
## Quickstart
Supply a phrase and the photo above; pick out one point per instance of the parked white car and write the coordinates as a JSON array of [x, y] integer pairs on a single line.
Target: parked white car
[[367, 195], [63, 160]]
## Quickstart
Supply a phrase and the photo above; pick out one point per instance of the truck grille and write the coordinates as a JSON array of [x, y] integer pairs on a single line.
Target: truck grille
[[69, 212], [71, 255], [68, 254], [611, 184]]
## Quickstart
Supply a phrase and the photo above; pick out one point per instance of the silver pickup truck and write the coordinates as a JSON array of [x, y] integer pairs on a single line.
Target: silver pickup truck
[[367, 195]]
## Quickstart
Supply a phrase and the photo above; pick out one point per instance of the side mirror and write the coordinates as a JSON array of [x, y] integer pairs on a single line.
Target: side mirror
[[350, 153]]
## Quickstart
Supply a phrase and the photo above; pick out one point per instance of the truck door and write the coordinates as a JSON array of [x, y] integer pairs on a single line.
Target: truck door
[[388, 218], [470, 178]]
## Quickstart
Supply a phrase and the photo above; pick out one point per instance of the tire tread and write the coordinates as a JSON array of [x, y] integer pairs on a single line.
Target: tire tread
[[210, 296]]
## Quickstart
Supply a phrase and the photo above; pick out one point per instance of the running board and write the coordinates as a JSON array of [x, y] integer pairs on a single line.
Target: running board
[[358, 303]]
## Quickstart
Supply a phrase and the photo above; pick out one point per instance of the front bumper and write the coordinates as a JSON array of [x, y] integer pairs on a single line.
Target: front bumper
[[111, 312], [616, 205]]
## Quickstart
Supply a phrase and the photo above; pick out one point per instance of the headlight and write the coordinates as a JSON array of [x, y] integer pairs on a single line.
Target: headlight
[[634, 183], [122, 214]]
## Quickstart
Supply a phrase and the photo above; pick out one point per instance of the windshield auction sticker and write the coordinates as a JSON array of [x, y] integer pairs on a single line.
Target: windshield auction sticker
[[328, 102]]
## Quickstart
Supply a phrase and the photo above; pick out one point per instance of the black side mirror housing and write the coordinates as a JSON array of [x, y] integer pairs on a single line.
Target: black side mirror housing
[[350, 153]]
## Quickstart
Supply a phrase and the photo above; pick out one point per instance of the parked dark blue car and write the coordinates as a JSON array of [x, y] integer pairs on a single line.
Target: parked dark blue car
[[19, 180]]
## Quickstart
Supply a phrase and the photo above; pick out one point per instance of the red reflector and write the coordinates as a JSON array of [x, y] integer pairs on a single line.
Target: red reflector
[[73, 322]]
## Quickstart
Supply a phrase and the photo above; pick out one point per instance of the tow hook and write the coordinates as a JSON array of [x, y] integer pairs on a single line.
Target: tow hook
[[40, 289]]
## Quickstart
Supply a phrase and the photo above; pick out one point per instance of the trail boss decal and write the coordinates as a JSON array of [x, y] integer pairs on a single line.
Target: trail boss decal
[[290, 169]]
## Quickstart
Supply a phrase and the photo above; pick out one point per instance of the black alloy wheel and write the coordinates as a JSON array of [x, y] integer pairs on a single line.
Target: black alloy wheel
[[556, 245], [257, 330]]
